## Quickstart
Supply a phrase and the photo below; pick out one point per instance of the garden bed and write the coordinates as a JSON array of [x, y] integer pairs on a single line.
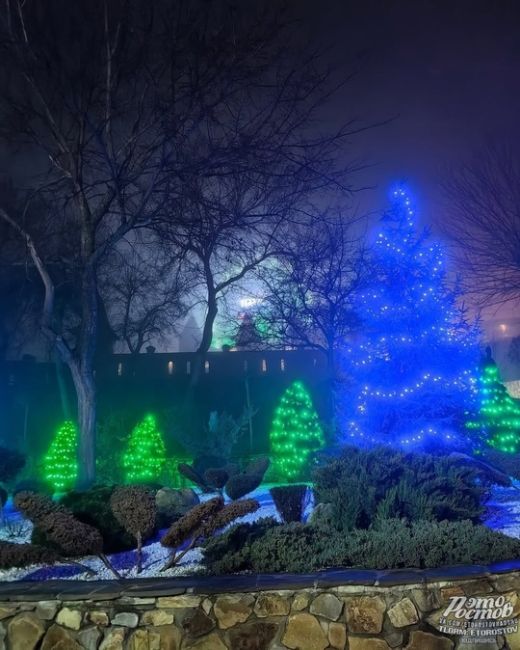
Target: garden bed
[[503, 514]]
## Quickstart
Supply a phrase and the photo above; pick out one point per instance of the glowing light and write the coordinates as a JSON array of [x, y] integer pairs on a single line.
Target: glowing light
[[145, 455], [415, 368], [60, 463], [295, 434], [498, 418]]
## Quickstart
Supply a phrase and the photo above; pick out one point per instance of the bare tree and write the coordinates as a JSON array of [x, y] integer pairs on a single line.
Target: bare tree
[[81, 92], [308, 291], [483, 219], [261, 158], [144, 293]]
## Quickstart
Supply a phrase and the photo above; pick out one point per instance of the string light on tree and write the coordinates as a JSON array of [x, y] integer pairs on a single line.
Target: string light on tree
[[295, 434], [60, 462], [499, 414], [145, 455], [415, 367]]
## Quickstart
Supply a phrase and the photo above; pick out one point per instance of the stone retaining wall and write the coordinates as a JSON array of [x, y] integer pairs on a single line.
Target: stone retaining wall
[[339, 617]]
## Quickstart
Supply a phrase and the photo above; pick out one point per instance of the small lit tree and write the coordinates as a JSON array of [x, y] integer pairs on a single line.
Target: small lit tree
[[145, 455], [60, 463], [498, 418], [295, 433]]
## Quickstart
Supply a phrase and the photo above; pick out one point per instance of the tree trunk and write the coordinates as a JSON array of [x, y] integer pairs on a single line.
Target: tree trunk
[[207, 337], [86, 393]]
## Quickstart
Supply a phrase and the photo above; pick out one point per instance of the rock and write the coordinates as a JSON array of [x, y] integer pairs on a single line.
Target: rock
[[508, 582], [57, 638], [252, 636], [337, 635], [170, 638], [477, 587], [207, 605], [271, 605], [184, 601], [233, 609], [394, 638], [157, 617], [24, 631], [450, 592], [403, 613], [46, 609], [426, 641], [6, 611], [211, 642], [98, 618], [114, 639], [198, 625], [139, 640], [89, 638], [362, 643], [70, 618], [2, 637], [126, 619], [300, 601], [172, 504], [304, 632], [327, 605], [426, 599], [364, 614]]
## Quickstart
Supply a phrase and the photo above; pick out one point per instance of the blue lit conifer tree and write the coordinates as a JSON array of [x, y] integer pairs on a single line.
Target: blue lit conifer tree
[[414, 367]]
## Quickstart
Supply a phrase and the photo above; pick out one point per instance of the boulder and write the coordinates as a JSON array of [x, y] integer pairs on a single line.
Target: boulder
[[172, 504]]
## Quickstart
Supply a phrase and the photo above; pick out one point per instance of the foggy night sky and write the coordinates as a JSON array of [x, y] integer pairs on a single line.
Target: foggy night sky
[[447, 72]]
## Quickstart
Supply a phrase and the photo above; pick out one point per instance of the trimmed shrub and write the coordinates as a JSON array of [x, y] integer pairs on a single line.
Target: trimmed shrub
[[134, 508], [267, 547], [11, 462], [364, 485], [227, 515], [259, 466], [70, 535], [21, 555], [93, 507], [35, 506], [189, 523], [216, 477], [290, 501], [241, 484], [192, 475]]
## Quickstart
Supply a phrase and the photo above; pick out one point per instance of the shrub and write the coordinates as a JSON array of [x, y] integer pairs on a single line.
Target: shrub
[[267, 547], [93, 507], [145, 455], [289, 501], [193, 475], [241, 484], [35, 506], [71, 536], [61, 530], [11, 462], [21, 555], [191, 522], [134, 508], [363, 485], [32, 485], [227, 515], [216, 477], [60, 462], [189, 527]]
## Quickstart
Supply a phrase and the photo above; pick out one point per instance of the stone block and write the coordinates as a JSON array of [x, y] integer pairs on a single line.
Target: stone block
[[58, 638], [327, 605], [425, 641], [364, 614], [403, 613], [232, 609], [337, 635], [70, 618], [271, 604], [24, 631], [304, 632]]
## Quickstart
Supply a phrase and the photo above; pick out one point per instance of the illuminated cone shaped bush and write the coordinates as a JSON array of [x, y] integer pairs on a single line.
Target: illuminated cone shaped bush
[[145, 455], [498, 419], [295, 433], [60, 463], [414, 364]]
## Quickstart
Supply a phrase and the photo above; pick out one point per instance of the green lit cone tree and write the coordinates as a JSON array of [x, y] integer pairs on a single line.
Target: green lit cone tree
[[296, 434], [60, 462], [498, 418], [145, 455]]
